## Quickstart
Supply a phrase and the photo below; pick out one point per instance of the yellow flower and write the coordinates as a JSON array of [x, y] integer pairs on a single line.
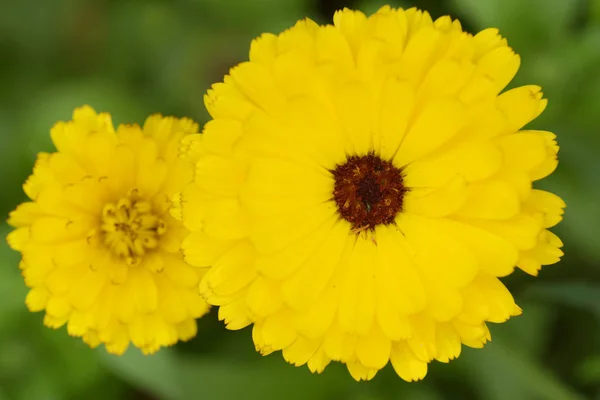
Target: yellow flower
[[361, 188], [100, 250]]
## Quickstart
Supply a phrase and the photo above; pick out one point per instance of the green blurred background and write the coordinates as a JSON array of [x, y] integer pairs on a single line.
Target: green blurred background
[[133, 58]]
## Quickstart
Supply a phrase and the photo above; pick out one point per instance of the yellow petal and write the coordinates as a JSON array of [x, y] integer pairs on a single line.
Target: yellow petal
[[473, 160], [202, 250], [500, 65], [236, 314], [218, 176], [439, 201], [437, 123], [423, 343], [355, 109], [231, 273], [144, 291], [521, 230], [304, 287], [437, 253], [357, 289], [496, 256], [18, 238], [314, 322], [359, 372], [351, 24], [225, 219], [24, 214], [89, 285], [397, 100], [264, 297], [121, 173], [373, 350], [178, 272], [447, 343], [256, 82], [501, 305], [220, 135], [393, 323], [278, 331], [281, 178], [151, 172], [302, 350], [187, 329], [58, 307], [547, 203], [266, 235], [264, 48], [396, 274], [281, 264], [171, 304], [406, 364], [523, 150], [225, 101], [472, 335], [475, 309], [318, 362], [311, 122], [491, 200], [521, 105], [55, 230], [36, 299], [417, 55]]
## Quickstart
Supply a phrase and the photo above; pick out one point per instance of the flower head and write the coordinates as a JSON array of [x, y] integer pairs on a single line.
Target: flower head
[[100, 251], [363, 185]]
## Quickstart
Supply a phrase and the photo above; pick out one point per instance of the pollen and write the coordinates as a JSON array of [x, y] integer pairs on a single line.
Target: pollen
[[130, 229]]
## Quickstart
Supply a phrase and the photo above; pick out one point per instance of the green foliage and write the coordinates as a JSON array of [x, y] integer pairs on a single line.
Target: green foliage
[[134, 57]]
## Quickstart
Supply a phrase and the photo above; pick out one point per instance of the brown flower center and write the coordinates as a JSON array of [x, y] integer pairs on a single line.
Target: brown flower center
[[368, 191]]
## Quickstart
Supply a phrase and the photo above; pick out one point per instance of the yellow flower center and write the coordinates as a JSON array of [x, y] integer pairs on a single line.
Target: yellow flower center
[[130, 228]]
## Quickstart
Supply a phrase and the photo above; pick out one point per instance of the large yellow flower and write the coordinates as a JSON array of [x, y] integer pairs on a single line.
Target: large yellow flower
[[362, 186], [100, 250]]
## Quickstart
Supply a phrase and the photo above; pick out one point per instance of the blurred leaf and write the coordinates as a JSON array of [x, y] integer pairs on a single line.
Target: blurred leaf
[[159, 374], [528, 332], [12, 286], [501, 372], [595, 11], [551, 16], [371, 6], [58, 102], [40, 387], [220, 379], [255, 16], [583, 295], [589, 370], [528, 25]]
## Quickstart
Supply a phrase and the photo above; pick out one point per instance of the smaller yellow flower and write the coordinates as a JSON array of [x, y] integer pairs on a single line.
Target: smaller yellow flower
[[100, 251]]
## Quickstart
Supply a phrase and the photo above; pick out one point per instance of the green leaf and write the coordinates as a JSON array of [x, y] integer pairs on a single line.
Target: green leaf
[[502, 372], [528, 25], [269, 378], [371, 6], [595, 11], [159, 374], [589, 370], [11, 283], [583, 295]]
